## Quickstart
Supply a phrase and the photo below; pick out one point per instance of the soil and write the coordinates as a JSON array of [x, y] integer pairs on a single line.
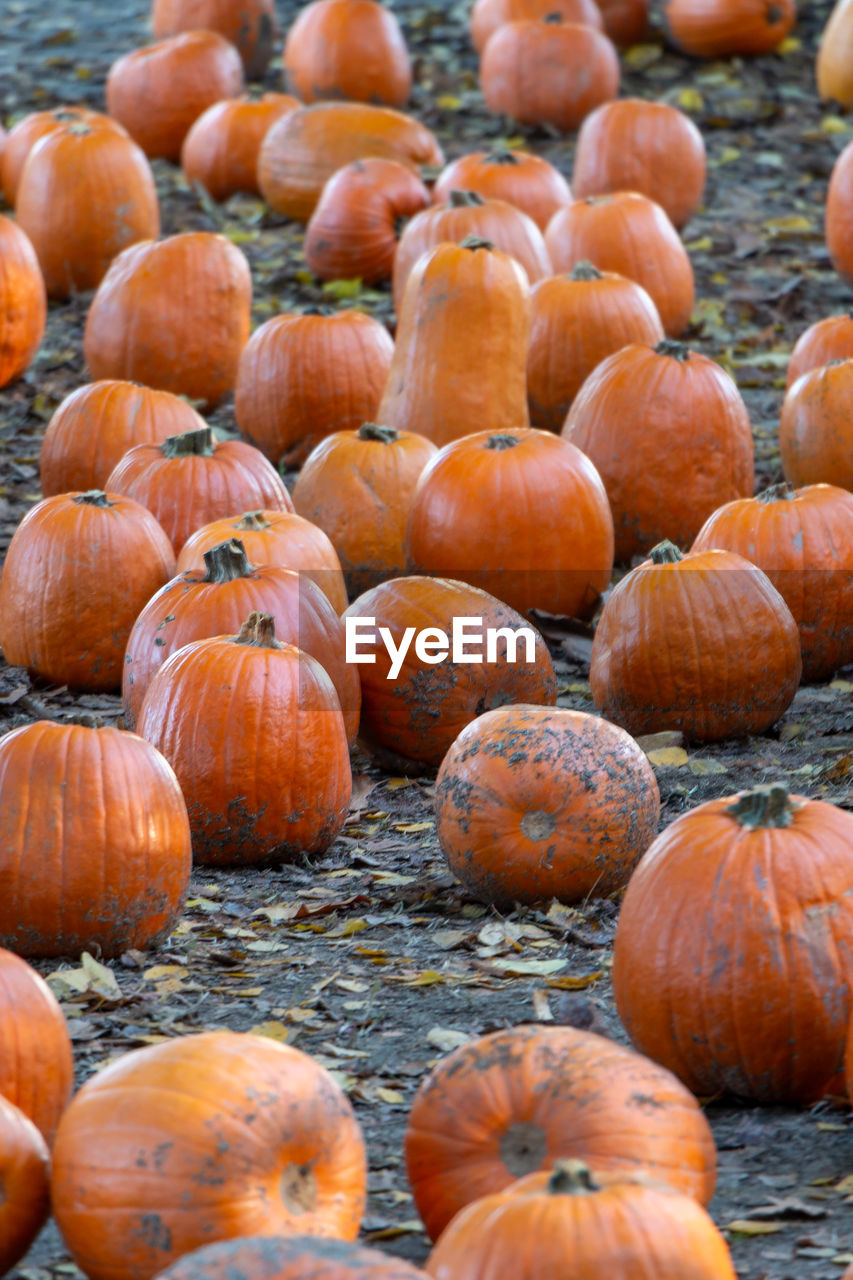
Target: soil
[[373, 959]]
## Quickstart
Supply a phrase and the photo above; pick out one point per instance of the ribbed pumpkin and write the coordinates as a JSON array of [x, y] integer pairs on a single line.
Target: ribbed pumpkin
[[650, 147], [488, 15], [353, 231], [823, 342], [732, 956], [737, 673], [306, 375], [251, 25], [357, 486], [94, 426], [198, 604], [627, 233], [535, 803], [193, 345], [467, 214], [221, 149], [616, 1224], [287, 1258], [835, 55], [728, 28], [352, 49], [278, 538], [669, 434], [416, 714], [24, 135], [837, 214], [23, 304], [521, 514], [548, 72], [37, 1066], [520, 178], [94, 841], [79, 568], [518, 1100], [85, 193], [577, 320], [24, 1184], [241, 1135], [157, 92], [803, 540], [816, 428], [461, 348], [625, 21], [301, 152], [265, 770]]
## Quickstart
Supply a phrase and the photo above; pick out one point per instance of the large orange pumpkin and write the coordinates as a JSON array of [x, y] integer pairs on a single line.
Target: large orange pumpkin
[[36, 1066], [824, 341], [24, 1184], [625, 21], [221, 149], [837, 214], [289, 1258], [23, 303], [520, 178], [488, 15], [251, 25], [728, 28], [204, 1138], [350, 49], [24, 135], [816, 427]]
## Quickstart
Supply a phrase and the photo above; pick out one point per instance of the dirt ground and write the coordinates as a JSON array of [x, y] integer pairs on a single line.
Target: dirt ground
[[373, 960]]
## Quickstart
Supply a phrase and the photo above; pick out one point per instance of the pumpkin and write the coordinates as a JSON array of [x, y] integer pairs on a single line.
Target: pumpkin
[[736, 676], [353, 231], [461, 348], [488, 15], [823, 342], [23, 136], [650, 147], [242, 1135], [577, 320], [302, 151], [24, 1184], [669, 434], [815, 427], [79, 568], [94, 426], [84, 194], [520, 178], [548, 72], [190, 479], [523, 515], [837, 216], [251, 25], [803, 540], [835, 55], [466, 214], [535, 803], [172, 314], [728, 28], [357, 487], [221, 149], [518, 1100], [737, 995], [254, 793], [23, 303], [411, 711], [347, 49], [95, 841], [197, 604], [157, 92], [37, 1066], [627, 233], [625, 21], [287, 1258], [304, 376], [618, 1224], [276, 538]]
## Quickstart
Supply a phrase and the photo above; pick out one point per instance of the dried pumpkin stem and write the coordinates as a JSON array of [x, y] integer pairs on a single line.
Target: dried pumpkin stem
[[585, 270], [501, 442], [199, 442], [372, 431], [319, 311], [765, 806], [572, 1178], [86, 719], [227, 561], [502, 155], [252, 520], [553, 18], [783, 492], [259, 630], [665, 552], [476, 242], [677, 350], [92, 498], [464, 199]]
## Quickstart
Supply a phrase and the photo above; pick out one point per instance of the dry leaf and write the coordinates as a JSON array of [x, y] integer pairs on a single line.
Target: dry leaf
[[447, 1038]]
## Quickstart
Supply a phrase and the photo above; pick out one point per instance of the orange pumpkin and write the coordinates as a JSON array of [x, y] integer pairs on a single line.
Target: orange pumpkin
[[347, 49], [251, 25], [23, 303], [488, 15], [192, 345], [823, 342], [70, 627], [837, 214], [519, 1100], [244, 1135], [288, 1258], [24, 135], [520, 178], [253, 796], [625, 21], [95, 841], [637, 145], [728, 28], [523, 515], [833, 62], [24, 1184], [732, 996], [37, 1067], [221, 149], [627, 233], [157, 92], [816, 429]]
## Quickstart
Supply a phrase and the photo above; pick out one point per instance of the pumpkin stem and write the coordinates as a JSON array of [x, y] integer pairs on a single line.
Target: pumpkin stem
[[572, 1178], [93, 498], [677, 350], [501, 442], [553, 18], [502, 155], [585, 270], [79, 127], [665, 552], [252, 520], [259, 630], [783, 492], [227, 561], [476, 242], [199, 442], [464, 199], [319, 311], [87, 719], [768, 805], [372, 431]]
